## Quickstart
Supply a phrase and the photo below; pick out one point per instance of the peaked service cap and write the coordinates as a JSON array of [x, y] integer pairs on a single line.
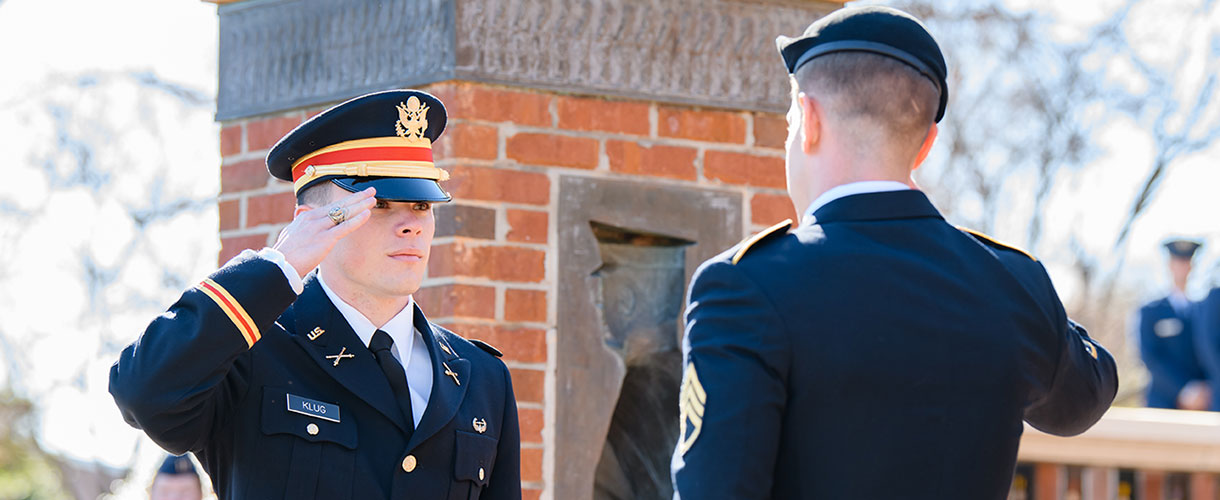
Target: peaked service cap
[[383, 140], [879, 30]]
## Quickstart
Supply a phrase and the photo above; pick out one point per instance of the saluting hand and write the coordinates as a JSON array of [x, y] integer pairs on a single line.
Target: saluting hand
[[313, 233]]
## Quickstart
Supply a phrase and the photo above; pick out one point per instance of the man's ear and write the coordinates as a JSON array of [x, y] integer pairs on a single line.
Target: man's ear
[[811, 122], [926, 147], [299, 209]]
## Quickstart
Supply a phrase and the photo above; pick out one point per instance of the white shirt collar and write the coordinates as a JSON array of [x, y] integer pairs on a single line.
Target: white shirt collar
[[401, 327], [849, 189], [1178, 300]]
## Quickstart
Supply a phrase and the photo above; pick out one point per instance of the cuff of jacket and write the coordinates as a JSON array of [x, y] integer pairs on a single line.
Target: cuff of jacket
[[252, 293]]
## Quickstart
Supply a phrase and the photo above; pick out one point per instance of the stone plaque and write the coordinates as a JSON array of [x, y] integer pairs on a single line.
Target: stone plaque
[[277, 55], [626, 253]]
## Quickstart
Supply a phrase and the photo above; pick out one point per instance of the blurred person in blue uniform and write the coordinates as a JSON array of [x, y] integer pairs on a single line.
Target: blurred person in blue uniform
[[176, 479], [874, 350], [288, 382], [1206, 329], [1167, 339]]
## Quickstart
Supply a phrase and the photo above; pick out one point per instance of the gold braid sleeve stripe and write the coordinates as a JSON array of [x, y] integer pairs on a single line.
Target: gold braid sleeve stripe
[[231, 308]]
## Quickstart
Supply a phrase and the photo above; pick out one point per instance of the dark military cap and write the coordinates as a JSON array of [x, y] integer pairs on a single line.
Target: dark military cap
[[1181, 248], [879, 30], [383, 140], [175, 465]]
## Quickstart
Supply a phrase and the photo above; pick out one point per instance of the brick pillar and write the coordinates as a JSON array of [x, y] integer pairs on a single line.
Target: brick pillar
[[253, 206], [505, 148]]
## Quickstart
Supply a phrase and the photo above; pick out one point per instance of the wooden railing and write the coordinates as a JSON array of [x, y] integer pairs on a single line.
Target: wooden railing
[[1131, 454]]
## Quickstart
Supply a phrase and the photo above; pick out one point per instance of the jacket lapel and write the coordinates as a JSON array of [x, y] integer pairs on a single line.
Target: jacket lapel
[[447, 394], [322, 331]]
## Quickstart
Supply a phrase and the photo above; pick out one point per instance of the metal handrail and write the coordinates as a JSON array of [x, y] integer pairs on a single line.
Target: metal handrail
[[1135, 438]]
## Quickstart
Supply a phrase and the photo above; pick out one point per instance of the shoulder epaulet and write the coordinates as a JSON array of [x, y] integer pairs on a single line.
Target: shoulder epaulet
[[778, 229], [994, 242], [486, 347]]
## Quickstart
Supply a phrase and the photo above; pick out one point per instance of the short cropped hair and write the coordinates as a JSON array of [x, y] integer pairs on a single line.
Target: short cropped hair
[[315, 195], [870, 88]]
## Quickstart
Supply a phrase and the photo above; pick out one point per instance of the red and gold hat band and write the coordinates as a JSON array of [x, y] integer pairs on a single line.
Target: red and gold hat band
[[376, 157]]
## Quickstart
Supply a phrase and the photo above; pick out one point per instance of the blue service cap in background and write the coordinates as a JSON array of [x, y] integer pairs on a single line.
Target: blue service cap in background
[[880, 30], [381, 140], [177, 464], [1182, 248]]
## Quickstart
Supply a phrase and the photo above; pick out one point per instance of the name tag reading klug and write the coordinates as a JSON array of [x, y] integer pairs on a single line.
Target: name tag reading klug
[[316, 409]]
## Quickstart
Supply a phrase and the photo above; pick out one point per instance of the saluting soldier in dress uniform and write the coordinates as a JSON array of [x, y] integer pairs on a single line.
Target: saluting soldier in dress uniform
[[290, 383], [1167, 340], [874, 350]]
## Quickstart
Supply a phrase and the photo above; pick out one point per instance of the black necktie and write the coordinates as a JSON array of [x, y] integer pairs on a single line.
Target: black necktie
[[380, 345]]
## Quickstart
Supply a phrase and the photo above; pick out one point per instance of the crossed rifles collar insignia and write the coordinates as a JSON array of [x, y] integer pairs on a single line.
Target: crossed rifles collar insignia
[[343, 354]]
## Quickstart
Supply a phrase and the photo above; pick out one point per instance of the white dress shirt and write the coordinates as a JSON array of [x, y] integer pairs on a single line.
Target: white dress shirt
[[849, 189], [407, 340]]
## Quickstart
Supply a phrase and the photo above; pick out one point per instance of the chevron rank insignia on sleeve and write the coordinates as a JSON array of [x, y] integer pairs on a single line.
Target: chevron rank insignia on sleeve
[[691, 401]]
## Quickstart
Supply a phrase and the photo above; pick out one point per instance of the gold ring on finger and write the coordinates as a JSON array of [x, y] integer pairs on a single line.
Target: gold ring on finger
[[337, 215]]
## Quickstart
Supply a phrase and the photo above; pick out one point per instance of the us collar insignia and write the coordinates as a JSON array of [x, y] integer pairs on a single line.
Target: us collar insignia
[[412, 121], [317, 332]]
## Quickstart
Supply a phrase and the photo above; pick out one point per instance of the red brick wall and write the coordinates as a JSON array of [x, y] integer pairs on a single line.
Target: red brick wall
[[493, 271]]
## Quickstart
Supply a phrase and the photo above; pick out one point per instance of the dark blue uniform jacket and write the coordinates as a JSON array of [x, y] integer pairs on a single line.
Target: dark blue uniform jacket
[[215, 375], [877, 353], [1206, 329], [1167, 347]]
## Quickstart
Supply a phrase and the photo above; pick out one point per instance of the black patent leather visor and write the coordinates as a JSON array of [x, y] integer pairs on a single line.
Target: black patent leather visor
[[396, 188]]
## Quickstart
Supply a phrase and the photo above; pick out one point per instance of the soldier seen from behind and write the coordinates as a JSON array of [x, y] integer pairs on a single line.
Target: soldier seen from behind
[[874, 350]]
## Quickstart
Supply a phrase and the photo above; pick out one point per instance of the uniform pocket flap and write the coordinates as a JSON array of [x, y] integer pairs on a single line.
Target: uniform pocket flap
[[476, 454], [313, 426]]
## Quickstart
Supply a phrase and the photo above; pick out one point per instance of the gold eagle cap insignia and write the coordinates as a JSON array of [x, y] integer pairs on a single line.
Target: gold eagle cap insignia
[[691, 401], [412, 121]]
